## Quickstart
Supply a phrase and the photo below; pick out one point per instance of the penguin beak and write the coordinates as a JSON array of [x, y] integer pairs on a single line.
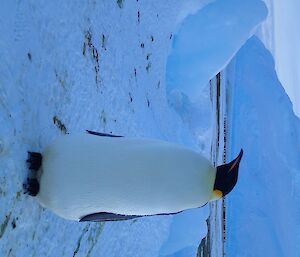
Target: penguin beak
[[226, 177], [237, 160], [216, 195]]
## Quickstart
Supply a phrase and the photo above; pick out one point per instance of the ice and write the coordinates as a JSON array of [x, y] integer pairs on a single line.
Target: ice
[[186, 232], [206, 42], [263, 210]]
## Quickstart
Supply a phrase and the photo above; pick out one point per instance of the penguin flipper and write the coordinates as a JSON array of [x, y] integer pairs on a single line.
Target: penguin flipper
[[101, 134], [107, 216]]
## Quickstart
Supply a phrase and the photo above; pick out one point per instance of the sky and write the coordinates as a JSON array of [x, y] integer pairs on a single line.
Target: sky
[[287, 48]]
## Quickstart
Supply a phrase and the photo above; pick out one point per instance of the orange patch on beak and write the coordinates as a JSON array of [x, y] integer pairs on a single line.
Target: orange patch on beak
[[234, 164], [216, 194]]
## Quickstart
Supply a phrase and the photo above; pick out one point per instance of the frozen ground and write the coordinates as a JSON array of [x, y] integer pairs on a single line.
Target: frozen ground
[[68, 67]]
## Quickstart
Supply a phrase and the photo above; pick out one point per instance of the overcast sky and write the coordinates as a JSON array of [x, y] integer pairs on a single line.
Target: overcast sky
[[287, 47]]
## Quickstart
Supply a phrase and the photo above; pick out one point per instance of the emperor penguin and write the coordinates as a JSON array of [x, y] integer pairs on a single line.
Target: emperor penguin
[[103, 177]]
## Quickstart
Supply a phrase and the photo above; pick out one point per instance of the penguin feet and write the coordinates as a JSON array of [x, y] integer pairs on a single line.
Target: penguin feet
[[32, 187], [34, 160]]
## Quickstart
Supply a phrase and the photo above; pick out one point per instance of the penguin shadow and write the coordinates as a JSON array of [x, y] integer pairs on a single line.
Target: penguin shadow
[[34, 162]]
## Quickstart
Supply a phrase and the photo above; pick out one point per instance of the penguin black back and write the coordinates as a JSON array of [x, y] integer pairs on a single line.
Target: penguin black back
[[227, 175]]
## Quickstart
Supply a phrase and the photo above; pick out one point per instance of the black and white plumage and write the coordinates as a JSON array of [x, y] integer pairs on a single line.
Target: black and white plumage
[[99, 177]]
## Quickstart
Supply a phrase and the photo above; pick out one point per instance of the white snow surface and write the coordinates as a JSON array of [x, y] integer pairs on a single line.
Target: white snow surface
[[206, 42], [263, 210], [71, 66]]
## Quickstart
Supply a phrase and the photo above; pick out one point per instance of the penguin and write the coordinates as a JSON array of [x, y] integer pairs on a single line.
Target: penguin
[[102, 177]]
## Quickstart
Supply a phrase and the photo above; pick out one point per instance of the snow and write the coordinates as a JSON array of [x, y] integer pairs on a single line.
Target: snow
[[70, 67], [206, 42], [185, 230], [262, 212]]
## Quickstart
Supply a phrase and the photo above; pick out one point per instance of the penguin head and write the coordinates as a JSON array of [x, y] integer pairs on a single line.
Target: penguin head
[[226, 177]]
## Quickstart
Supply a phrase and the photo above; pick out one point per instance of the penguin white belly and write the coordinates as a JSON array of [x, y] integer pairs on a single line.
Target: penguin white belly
[[85, 174]]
